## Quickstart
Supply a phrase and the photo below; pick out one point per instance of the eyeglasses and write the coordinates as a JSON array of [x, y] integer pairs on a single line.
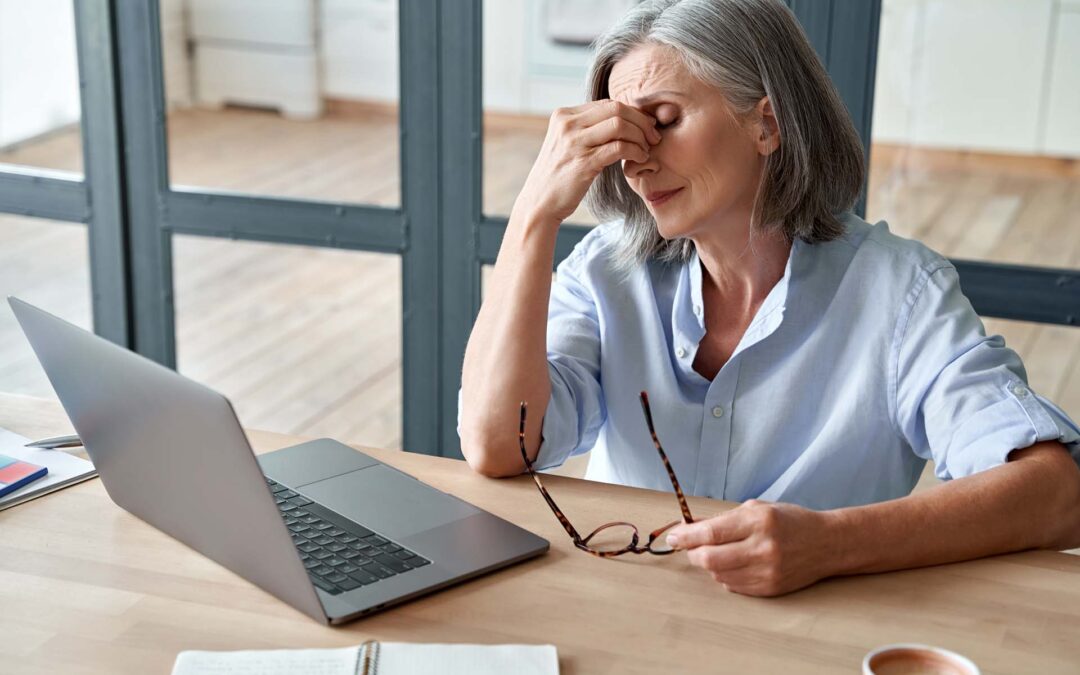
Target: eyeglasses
[[616, 538]]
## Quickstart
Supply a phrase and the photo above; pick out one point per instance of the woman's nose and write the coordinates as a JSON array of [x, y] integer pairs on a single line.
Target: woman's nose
[[632, 169]]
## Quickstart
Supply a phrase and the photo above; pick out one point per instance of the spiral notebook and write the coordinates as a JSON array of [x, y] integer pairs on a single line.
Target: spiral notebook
[[376, 658]]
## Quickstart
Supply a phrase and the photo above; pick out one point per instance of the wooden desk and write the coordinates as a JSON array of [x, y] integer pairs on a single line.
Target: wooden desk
[[86, 587]]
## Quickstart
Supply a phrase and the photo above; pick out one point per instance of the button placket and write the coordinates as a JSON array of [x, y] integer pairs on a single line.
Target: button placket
[[716, 432]]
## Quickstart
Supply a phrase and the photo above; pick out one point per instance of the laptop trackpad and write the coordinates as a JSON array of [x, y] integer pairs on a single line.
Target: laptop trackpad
[[387, 501]]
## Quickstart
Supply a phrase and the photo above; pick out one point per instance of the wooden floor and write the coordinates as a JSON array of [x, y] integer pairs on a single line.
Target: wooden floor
[[308, 341]]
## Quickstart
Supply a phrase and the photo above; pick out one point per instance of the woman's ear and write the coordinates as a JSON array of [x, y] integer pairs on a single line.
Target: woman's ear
[[768, 130]]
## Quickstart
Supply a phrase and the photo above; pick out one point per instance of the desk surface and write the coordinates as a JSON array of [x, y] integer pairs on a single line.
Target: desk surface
[[87, 588]]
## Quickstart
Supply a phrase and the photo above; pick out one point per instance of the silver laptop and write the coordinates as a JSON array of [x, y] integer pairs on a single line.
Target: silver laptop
[[331, 531]]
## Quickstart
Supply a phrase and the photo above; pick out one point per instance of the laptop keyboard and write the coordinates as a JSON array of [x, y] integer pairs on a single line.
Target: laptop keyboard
[[338, 554]]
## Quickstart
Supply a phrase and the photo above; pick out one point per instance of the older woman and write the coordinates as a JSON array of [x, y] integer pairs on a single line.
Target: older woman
[[799, 360]]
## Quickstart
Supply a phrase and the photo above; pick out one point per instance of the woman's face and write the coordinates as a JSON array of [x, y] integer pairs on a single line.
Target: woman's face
[[702, 177]]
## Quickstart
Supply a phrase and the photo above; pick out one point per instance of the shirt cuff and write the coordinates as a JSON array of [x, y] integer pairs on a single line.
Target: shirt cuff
[[1019, 420]]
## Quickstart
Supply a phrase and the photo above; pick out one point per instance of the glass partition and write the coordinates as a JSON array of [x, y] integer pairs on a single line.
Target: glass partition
[[45, 263], [302, 340], [39, 85], [293, 98], [975, 148], [536, 57]]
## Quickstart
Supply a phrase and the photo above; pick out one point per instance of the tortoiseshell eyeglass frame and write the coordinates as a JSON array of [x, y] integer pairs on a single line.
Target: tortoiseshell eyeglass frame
[[632, 546]]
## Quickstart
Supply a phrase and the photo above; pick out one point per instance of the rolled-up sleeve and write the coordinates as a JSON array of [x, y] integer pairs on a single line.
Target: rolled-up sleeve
[[575, 411], [961, 398]]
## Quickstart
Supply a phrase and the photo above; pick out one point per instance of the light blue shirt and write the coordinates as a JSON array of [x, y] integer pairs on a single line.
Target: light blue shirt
[[864, 361]]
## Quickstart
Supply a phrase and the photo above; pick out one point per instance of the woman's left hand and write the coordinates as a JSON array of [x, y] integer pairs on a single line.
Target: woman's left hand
[[760, 548]]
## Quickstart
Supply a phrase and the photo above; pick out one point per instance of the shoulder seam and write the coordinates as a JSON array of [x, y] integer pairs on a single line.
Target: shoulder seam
[[900, 332]]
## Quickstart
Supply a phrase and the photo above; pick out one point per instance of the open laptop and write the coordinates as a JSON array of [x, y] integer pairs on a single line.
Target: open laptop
[[333, 532]]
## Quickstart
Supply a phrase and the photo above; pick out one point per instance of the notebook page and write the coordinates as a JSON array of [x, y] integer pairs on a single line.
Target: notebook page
[[269, 662], [403, 658]]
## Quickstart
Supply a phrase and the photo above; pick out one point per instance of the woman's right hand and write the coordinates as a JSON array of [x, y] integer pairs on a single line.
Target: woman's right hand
[[580, 142]]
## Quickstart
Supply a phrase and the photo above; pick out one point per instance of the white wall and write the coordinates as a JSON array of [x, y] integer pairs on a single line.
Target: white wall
[[39, 80]]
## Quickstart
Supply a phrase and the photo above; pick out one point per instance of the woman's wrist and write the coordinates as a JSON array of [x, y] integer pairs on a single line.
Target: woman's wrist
[[844, 540], [532, 218], [533, 234]]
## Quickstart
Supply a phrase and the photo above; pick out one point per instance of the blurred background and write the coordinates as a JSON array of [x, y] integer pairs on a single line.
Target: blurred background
[[975, 140]]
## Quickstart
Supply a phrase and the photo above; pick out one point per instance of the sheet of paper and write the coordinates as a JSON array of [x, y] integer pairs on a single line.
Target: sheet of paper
[[394, 658], [404, 658], [62, 467], [269, 662]]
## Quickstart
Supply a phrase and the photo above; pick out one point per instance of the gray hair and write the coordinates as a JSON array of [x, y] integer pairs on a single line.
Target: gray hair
[[749, 49]]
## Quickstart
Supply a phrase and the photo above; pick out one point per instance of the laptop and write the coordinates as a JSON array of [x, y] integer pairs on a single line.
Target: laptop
[[331, 531]]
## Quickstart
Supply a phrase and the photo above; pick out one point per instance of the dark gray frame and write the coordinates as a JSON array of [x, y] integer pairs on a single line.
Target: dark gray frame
[[440, 230], [44, 194], [94, 199], [156, 210]]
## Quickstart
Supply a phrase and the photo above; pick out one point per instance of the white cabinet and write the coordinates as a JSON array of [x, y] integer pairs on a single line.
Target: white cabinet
[[1063, 103], [177, 69], [256, 52], [359, 49], [270, 23]]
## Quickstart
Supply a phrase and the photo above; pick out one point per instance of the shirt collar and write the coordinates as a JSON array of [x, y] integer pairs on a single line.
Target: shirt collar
[[688, 314]]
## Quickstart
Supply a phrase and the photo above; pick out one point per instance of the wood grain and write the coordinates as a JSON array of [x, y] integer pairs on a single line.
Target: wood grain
[[87, 588]]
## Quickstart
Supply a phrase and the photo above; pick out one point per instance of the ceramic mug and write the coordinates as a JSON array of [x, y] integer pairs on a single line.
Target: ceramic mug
[[916, 659]]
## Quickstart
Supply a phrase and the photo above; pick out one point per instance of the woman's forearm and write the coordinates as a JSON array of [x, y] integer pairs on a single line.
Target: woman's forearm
[[506, 357], [1033, 501]]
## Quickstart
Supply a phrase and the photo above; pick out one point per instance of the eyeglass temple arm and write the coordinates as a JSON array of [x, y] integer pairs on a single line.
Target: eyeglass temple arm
[[687, 517], [543, 491]]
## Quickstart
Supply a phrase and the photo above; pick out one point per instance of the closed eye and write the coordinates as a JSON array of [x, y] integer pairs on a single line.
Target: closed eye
[[665, 125]]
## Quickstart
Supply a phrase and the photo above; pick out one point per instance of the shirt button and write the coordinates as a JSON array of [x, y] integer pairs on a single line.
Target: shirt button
[[1020, 390], [717, 411], [680, 352], [697, 310]]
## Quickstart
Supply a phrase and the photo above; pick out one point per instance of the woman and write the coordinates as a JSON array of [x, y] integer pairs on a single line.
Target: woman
[[794, 356]]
